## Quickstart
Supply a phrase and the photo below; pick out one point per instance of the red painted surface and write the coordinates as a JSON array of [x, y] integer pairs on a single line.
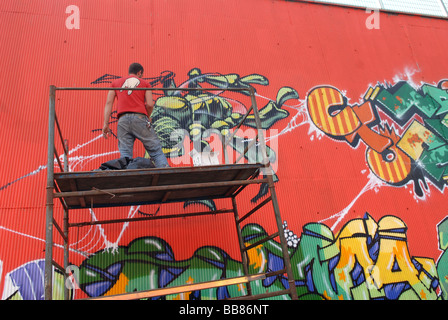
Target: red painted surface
[[299, 45]]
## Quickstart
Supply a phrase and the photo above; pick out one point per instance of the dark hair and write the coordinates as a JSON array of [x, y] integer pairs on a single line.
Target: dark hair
[[135, 67]]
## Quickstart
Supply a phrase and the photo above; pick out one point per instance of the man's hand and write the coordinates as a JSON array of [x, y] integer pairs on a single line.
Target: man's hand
[[106, 131], [149, 103], [107, 112]]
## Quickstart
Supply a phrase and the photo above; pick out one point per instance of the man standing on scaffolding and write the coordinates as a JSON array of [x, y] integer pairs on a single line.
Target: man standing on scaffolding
[[134, 108]]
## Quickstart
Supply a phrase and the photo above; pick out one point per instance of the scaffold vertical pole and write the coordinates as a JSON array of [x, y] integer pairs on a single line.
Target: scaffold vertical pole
[[268, 172], [48, 275], [244, 257], [65, 229]]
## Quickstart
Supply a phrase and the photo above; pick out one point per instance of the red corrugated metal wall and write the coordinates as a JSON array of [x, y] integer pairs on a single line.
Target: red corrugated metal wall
[[327, 55]]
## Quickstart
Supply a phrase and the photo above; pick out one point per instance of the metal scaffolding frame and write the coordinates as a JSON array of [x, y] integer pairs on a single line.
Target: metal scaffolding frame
[[227, 181]]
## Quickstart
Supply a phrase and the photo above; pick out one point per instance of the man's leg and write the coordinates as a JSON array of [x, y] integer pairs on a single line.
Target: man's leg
[[150, 141], [125, 137]]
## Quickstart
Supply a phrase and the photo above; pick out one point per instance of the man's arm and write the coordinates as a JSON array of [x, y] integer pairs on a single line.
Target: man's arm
[[107, 112], [149, 102]]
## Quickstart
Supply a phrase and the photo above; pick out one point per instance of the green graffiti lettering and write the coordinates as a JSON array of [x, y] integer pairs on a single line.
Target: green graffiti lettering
[[367, 260], [404, 97], [308, 260]]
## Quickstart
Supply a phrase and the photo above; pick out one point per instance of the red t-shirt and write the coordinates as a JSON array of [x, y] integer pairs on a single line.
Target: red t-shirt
[[130, 100]]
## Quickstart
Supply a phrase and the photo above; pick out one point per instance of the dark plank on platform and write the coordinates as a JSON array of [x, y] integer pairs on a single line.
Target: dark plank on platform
[[156, 185]]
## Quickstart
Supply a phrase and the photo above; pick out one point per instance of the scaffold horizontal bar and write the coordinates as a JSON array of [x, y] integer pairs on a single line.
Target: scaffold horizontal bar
[[152, 89], [181, 289], [98, 192], [253, 245], [155, 217], [259, 206], [57, 266], [58, 228]]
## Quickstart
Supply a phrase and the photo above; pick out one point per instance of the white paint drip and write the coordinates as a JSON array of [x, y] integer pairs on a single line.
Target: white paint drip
[[374, 183]]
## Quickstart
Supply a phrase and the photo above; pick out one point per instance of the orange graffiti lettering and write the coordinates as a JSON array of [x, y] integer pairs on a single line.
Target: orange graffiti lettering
[[330, 113]]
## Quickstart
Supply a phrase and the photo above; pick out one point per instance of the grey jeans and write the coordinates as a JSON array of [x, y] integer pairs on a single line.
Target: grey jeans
[[133, 126]]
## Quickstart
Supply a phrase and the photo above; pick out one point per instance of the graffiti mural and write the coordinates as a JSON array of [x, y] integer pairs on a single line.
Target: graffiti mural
[[364, 260], [404, 131], [27, 283], [196, 115], [404, 128]]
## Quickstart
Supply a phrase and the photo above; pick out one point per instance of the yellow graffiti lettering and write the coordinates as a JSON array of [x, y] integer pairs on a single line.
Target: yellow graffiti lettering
[[392, 265], [352, 241], [414, 138]]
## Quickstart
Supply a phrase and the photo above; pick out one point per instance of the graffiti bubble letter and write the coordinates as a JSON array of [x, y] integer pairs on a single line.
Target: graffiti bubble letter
[[72, 21], [373, 21]]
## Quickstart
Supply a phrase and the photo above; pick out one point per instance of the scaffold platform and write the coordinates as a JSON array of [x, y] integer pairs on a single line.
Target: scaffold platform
[[109, 188]]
